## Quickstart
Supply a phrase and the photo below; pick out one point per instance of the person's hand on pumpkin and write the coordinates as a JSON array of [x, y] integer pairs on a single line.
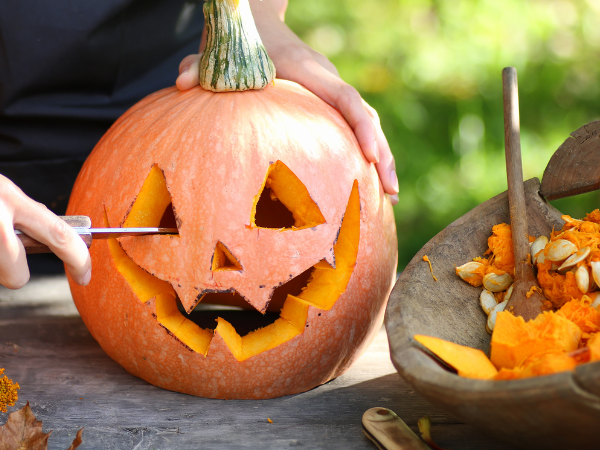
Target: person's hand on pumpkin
[[34, 219], [296, 61]]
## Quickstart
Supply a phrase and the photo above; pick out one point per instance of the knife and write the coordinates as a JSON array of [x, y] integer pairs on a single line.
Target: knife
[[83, 226], [390, 432]]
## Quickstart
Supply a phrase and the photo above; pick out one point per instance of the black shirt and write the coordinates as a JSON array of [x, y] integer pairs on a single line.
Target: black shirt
[[70, 68]]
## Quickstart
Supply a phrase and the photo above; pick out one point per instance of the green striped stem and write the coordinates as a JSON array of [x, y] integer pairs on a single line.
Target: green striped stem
[[235, 58]]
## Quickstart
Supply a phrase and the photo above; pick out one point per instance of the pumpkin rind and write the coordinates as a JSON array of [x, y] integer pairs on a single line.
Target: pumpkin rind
[[214, 151]]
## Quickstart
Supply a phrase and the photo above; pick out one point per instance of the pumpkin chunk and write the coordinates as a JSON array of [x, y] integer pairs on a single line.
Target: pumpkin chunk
[[543, 363], [284, 186], [514, 340], [469, 362], [594, 345]]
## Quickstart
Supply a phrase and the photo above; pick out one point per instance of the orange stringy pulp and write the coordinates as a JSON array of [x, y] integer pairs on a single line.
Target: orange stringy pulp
[[566, 335]]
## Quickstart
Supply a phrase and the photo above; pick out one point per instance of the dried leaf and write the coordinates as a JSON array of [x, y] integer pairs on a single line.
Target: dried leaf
[[77, 441], [424, 424], [22, 431]]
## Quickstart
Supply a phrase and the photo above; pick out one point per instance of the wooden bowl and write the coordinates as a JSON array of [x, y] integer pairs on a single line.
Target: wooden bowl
[[559, 411]]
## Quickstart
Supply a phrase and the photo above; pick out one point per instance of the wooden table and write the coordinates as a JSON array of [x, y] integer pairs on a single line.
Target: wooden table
[[70, 383]]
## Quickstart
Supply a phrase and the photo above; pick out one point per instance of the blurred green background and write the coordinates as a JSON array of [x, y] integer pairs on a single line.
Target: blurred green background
[[432, 69]]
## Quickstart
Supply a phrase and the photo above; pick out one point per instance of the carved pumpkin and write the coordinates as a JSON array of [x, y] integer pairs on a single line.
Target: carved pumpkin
[[278, 213]]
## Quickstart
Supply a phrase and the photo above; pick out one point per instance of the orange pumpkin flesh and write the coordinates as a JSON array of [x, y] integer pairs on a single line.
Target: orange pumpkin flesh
[[213, 161]]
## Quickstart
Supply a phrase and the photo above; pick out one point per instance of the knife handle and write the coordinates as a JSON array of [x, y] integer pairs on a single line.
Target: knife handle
[[389, 432], [32, 246]]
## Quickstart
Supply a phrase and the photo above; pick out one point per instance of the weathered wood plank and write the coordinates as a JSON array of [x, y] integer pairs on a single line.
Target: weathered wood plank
[[70, 383]]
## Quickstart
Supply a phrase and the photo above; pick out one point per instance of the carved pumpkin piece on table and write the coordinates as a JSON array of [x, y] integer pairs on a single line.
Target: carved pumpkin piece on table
[[277, 211]]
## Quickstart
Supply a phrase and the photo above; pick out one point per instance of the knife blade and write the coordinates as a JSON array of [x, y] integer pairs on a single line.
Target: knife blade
[[82, 225]]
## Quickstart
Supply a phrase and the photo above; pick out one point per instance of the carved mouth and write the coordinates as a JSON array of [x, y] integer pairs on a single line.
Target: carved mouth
[[246, 332], [235, 309]]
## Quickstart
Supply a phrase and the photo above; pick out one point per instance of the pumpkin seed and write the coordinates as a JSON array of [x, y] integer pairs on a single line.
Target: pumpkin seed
[[539, 257], [508, 293], [559, 250], [582, 277], [537, 246], [497, 283], [574, 259], [491, 322], [595, 298], [596, 271], [487, 301], [569, 219], [468, 271]]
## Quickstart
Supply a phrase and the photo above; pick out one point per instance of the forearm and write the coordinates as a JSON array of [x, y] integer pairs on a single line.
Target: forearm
[[261, 7]]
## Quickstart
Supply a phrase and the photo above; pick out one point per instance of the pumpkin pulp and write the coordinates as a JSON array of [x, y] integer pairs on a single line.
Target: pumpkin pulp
[[324, 286]]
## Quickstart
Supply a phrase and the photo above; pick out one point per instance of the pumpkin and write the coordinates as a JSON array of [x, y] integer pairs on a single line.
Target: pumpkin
[[286, 251]]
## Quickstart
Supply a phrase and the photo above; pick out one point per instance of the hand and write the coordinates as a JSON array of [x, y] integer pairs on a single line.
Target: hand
[[34, 219], [296, 61]]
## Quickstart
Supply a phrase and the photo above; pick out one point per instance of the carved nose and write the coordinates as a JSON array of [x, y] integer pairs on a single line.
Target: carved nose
[[223, 259]]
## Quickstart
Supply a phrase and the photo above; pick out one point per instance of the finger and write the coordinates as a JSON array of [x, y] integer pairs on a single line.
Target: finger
[[362, 118], [346, 99], [349, 103], [38, 222], [14, 272], [188, 72], [386, 167]]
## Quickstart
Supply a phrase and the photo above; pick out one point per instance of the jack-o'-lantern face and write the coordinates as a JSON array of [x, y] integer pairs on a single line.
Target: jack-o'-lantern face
[[278, 212], [282, 206]]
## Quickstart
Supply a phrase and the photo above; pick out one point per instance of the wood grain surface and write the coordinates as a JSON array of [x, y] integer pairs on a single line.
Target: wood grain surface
[[573, 169], [71, 383]]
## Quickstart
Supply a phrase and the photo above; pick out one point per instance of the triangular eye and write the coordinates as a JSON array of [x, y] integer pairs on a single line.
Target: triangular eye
[[284, 202], [223, 259], [152, 207]]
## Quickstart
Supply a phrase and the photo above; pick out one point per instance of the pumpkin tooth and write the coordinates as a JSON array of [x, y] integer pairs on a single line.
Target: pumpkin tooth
[[574, 259], [491, 322], [538, 245], [582, 277], [487, 301], [497, 283], [559, 250]]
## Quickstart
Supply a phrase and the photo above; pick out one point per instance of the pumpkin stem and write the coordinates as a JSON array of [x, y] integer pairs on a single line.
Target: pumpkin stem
[[235, 58]]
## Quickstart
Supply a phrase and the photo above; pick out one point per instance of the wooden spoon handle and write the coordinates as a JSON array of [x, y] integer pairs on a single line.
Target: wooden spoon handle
[[514, 171], [526, 300]]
